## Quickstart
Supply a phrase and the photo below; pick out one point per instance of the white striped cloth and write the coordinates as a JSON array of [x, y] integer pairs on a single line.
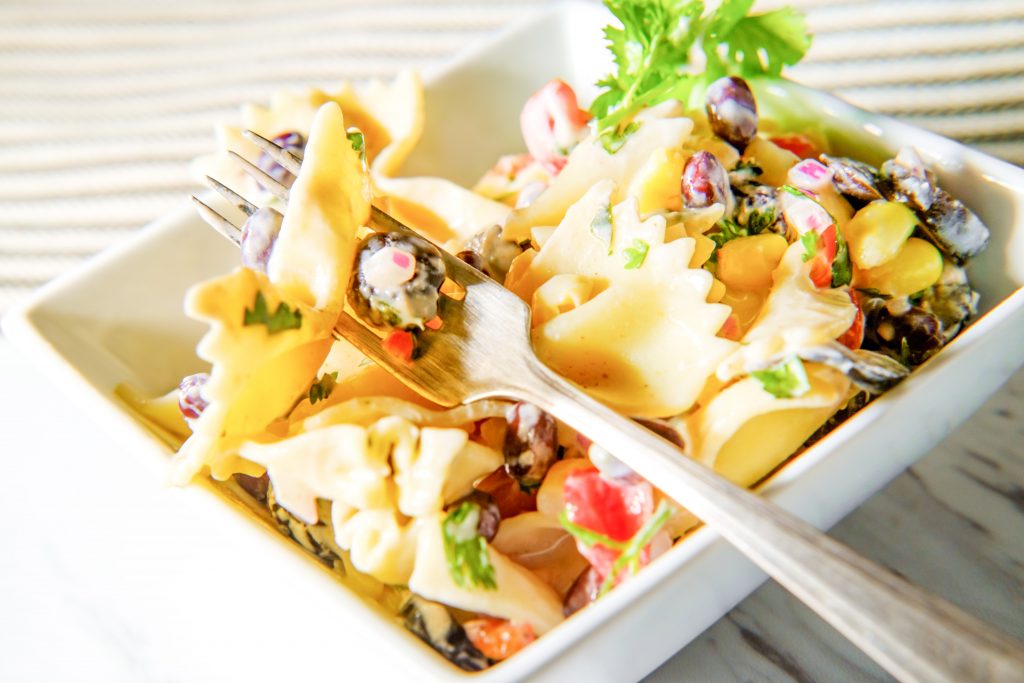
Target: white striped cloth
[[103, 103]]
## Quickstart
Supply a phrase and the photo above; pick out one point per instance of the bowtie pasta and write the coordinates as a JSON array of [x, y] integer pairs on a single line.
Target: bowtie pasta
[[737, 292]]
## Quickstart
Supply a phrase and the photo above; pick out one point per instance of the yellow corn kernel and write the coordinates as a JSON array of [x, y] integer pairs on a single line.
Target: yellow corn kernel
[[774, 161], [656, 184], [746, 263], [916, 266], [878, 231]]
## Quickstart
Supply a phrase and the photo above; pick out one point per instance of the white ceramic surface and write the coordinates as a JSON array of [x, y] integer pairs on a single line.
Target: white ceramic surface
[[119, 320]]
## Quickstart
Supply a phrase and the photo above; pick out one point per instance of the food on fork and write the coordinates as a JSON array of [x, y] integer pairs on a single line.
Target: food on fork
[[737, 289]]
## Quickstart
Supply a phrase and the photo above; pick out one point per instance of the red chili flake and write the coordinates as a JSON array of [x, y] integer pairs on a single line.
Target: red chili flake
[[799, 145], [400, 344]]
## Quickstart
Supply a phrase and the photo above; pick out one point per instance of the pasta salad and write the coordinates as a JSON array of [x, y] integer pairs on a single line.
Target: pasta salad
[[734, 287]]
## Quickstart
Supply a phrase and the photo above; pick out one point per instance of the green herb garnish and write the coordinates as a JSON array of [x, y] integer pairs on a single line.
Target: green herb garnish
[[652, 51], [797, 192], [321, 389], [602, 225], [613, 139], [810, 240], [629, 555], [465, 549], [727, 231], [842, 271], [280, 320], [358, 141], [786, 379], [636, 254]]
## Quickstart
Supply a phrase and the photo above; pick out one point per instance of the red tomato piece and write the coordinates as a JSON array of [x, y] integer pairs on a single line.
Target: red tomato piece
[[499, 639], [798, 144], [854, 337], [616, 508], [507, 494], [821, 262], [551, 123], [400, 344]]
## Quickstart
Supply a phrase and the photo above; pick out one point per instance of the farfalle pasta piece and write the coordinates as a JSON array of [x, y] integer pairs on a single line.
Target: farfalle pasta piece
[[257, 374], [796, 315], [329, 202], [390, 116], [381, 477], [588, 164], [589, 241], [441, 210], [520, 595], [645, 345], [744, 432], [646, 341], [379, 543]]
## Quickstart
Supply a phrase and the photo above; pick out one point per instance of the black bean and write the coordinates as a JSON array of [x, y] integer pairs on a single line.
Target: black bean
[[531, 443]]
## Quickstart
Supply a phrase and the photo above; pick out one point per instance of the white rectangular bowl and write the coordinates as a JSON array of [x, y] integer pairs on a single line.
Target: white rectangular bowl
[[118, 320]]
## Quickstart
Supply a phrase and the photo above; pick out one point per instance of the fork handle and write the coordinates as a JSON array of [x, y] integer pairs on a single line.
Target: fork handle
[[913, 634]]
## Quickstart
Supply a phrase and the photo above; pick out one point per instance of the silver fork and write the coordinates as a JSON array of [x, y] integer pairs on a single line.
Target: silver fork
[[483, 351]]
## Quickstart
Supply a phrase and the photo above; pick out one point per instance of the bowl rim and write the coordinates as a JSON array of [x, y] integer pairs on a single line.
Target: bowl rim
[[24, 325]]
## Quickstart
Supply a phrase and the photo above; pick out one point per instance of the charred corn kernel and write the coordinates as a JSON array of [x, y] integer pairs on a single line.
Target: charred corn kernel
[[747, 263], [656, 184], [774, 161], [878, 231], [916, 266], [716, 292]]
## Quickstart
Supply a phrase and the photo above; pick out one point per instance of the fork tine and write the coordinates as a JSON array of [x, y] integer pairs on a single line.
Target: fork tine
[[218, 222], [243, 204], [285, 157], [261, 176]]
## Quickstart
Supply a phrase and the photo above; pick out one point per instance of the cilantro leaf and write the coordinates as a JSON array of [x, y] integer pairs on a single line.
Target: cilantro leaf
[[810, 240], [280, 320], [612, 140], [602, 225], [785, 379], [842, 271], [589, 537], [652, 49], [636, 254], [727, 231], [358, 141], [764, 43], [465, 549]]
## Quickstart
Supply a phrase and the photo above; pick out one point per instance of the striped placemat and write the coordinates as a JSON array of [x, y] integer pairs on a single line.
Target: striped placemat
[[103, 104]]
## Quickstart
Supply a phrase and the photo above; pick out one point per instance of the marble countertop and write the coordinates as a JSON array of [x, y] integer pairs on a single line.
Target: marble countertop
[[90, 591]]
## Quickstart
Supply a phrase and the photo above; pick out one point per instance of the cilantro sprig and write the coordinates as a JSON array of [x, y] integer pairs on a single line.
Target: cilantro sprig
[[636, 254], [785, 379], [465, 549], [652, 51], [630, 551], [283, 318]]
